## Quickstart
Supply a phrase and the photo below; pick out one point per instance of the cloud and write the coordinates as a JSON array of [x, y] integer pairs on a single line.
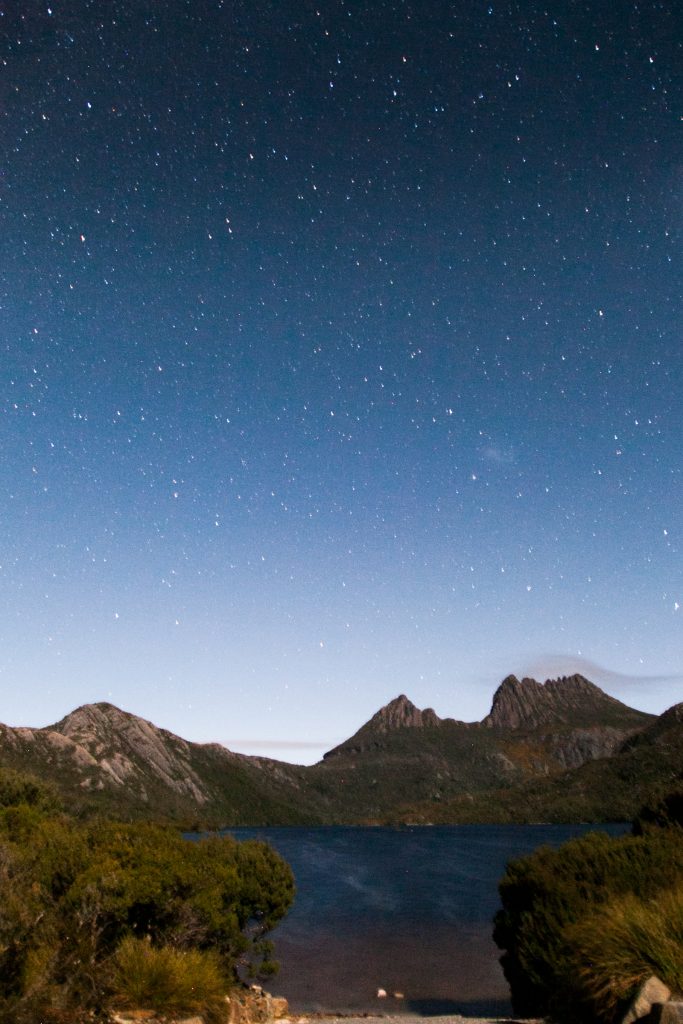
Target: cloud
[[501, 456], [552, 665], [279, 744]]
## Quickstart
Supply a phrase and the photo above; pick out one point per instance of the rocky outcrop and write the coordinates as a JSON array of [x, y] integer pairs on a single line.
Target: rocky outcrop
[[129, 748], [402, 714], [398, 716], [577, 746], [241, 1007], [527, 704]]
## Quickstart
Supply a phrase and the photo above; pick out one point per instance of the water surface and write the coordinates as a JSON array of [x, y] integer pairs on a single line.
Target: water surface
[[406, 910]]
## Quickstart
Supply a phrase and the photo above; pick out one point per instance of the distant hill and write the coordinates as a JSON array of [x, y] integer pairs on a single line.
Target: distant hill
[[561, 750]]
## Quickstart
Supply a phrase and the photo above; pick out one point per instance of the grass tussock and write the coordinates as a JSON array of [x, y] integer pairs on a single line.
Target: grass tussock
[[620, 946], [168, 980]]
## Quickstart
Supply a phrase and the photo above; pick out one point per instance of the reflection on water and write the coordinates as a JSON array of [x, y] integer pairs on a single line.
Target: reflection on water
[[404, 910]]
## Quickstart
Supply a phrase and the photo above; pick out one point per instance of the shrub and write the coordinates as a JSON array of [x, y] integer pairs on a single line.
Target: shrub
[[545, 894], [167, 980], [71, 894], [665, 813], [18, 788]]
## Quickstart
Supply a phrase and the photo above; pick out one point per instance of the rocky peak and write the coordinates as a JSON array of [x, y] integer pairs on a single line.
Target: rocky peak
[[401, 713], [126, 746], [92, 721], [527, 704]]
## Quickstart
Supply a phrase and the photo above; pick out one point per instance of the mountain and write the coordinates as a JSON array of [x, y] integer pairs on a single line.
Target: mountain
[[526, 704], [543, 750], [104, 760], [646, 767], [533, 730]]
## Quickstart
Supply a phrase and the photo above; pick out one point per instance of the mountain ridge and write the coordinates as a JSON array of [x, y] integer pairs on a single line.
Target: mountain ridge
[[527, 703], [109, 761]]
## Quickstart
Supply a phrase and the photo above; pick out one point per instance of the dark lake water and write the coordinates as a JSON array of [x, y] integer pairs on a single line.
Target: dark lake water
[[405, 910]]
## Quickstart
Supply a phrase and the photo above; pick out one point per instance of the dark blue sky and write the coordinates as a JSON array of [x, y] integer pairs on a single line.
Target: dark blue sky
[[341, 356]]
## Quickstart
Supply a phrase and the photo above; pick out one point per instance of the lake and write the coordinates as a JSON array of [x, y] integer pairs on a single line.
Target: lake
[[406, 910]]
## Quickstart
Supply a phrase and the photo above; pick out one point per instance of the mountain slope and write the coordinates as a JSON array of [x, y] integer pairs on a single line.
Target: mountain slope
[[404, 763], [533, 730], [646, 767], [106, 760]]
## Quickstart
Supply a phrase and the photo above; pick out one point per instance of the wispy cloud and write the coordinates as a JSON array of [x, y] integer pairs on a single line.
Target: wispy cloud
[[547, 666], [271, 744], [495, 453]]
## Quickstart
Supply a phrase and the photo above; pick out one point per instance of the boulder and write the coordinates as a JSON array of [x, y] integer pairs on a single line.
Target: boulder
[[650, 992], [279, 1007], [667, 1013]]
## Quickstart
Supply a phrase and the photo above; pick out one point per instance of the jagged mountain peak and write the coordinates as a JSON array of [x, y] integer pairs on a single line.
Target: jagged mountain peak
[[396, 716], [401, 713], [526, 703]]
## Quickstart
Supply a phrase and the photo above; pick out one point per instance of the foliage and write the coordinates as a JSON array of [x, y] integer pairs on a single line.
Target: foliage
[[665, 813], [614, 951], [167, 980], [18, 788], [549, 892], [70, 894]]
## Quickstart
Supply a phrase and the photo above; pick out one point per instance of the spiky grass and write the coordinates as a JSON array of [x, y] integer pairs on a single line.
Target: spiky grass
[[626, 941], [167, 980]]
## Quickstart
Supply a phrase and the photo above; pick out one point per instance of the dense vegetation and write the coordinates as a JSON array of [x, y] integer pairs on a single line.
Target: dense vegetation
[[105, 913], [583, 925]]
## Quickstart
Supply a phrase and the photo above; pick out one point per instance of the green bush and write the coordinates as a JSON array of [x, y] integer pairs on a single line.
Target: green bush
[[70, 894], [18, 789], [167, 980], [547, 893]]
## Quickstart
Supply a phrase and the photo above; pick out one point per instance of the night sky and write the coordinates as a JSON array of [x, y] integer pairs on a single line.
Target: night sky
[[341, 357]]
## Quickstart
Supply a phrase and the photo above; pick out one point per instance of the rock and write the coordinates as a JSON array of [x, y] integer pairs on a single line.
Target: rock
[[650, 992], [131, 1016], [401, 713], [667, 1013], [251, 1007], [279, 1007], [528, 704]]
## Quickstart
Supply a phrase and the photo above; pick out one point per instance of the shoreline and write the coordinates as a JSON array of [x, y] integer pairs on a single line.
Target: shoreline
[[405, 1018]]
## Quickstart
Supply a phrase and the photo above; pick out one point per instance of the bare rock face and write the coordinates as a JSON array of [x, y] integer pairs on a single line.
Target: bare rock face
[[129, 748], [667, 1013], [397, 716], [574, 748], [402, 714], [527, 704]]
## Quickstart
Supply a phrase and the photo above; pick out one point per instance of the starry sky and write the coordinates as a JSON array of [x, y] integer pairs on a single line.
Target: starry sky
[[340, 357]]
